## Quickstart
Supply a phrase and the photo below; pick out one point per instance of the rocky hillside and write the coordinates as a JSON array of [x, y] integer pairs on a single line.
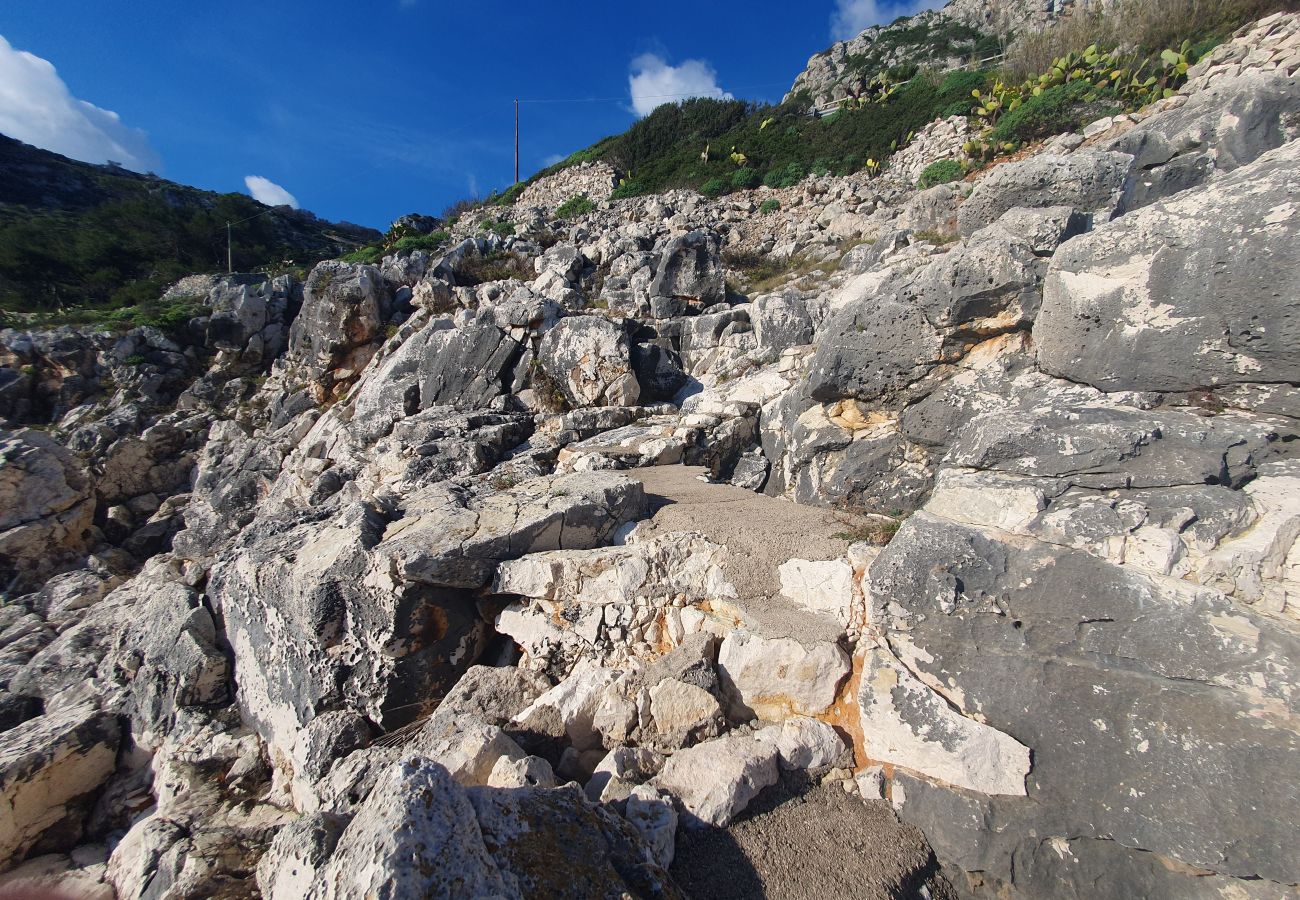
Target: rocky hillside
[[74, 234], [836, 539]]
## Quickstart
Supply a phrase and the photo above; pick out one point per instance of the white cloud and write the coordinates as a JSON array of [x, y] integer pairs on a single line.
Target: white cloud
[[852, 17], [653, 82], [264, 190], [552, 159], [37, 108]]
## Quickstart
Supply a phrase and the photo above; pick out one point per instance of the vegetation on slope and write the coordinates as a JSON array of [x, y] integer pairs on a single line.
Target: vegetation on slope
[[79, 242], [718, 146]]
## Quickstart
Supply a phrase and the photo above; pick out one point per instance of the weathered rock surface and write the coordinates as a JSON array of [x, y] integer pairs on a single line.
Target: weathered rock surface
[[1157, 285], [588, 358], [50, 768]]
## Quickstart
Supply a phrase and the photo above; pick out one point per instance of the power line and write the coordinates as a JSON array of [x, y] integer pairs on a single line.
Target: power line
[[625, 99]]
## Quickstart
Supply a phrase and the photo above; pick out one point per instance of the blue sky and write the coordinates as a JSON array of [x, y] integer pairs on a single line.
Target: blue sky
[[403, 107]]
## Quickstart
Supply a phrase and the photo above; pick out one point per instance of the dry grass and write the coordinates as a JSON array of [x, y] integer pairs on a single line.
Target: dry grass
[[761, 273], [1143, 27], [873, 528]]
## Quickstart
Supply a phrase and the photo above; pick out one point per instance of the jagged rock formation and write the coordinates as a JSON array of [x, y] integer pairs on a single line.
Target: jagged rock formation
[[524, 570]]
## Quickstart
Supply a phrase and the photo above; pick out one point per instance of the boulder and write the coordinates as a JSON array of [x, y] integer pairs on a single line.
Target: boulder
[[50, 768], [887, 336], [689, 275], [716, 780], [343, 310], [1091, 181], [775, 678], [416, 836], [1163, 299], [588, 359]]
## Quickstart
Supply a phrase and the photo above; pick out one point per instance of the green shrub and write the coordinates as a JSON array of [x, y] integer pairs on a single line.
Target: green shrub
[[431, 241], [787, 176], [769, 206], [504, 229], [628, 189], [746, 179], [574, 207], [1058, 109], [714, 187], [368, 255], [940, 172]]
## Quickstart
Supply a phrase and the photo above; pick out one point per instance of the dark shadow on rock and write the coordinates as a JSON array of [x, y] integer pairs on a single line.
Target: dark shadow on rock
[[801, 839]]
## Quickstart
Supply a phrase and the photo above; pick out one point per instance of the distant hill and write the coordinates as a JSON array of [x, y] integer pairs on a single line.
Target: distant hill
[[75, 234]]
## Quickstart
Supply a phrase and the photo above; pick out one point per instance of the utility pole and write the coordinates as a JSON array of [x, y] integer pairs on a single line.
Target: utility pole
[[230, 254], [516, 140]]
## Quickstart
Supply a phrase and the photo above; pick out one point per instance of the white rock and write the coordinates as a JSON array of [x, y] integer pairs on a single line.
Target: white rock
[[656, 821], [906, 723], [576, 700], [46, 763], [819, 587], [806, 743], [415, 836], [531, 771], [681, 711], [716, 780], [775, 678], [871, 783]]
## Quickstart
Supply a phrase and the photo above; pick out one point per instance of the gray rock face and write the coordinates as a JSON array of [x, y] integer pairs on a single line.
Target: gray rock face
[[999, 628], [1091, 181], [1169, 282], [588, 358], [250, 316], [421, 834], [45, 507], [882, 343], [343, 309], [417, 836], [468, 367], [1217, 130], [781, 321], [49, 766], [300, 602], [689, 274]]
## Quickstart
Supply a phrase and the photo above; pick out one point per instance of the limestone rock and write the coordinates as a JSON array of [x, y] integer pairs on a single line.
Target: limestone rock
[[1090, 181], [1167, 283], [45, 507], [689, 274], [906, 723], [49, 766], [588, 358], [716, 780], [417, 835], [775, 678]]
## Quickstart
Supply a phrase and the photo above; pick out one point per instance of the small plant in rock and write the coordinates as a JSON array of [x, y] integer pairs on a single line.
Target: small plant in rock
[[874, 529], [502, 229], [930, 236], [574, 207], [940, 172], [135, 359], [769, 206], [503, 481]]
